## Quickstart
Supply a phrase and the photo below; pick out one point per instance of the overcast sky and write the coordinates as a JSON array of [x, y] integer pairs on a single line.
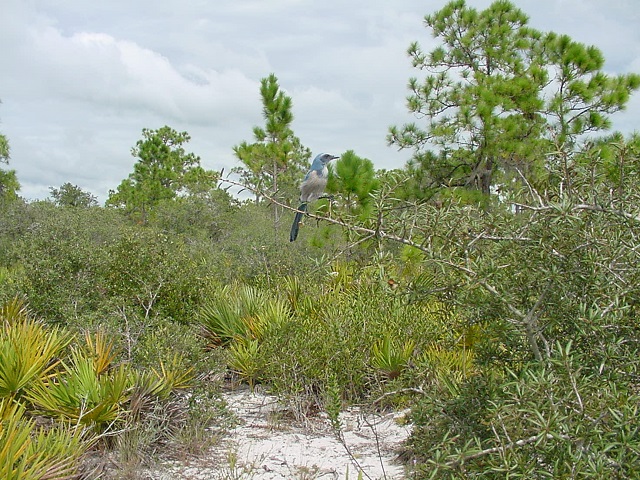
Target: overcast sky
[[80, 80]]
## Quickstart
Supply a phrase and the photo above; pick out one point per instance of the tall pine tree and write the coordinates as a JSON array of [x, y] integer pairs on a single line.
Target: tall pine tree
[[500, 97], [276, 160]]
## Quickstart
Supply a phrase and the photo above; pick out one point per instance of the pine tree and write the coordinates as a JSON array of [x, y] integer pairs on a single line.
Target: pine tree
[[276, 160], [500, 96]]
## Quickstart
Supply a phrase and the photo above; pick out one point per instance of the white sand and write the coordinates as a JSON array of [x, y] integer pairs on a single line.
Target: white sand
[[269, 444]]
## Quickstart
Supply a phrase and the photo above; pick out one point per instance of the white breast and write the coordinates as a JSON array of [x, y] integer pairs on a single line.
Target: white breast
[[313, 186]]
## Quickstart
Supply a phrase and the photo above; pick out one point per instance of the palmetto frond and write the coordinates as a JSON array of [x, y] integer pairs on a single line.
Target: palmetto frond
[[28, 350]]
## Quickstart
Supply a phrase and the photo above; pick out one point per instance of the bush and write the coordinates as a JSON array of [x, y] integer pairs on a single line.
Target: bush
[[28, 452], [336, 339], [555, 421], [48, 372]]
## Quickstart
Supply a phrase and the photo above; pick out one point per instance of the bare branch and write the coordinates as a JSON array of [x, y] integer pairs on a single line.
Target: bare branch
[[584, 206], [503, 448], [527, 319], [532, 190]]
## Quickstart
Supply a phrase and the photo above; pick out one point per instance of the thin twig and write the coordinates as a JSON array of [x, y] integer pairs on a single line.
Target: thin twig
[[379, 233], [532, 190], [503, 448], [494, 238], [372, 427], [584, 206], [399, 391], [354, 460]]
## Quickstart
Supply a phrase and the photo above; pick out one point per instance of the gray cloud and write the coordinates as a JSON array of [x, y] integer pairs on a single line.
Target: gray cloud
[[79, 81]]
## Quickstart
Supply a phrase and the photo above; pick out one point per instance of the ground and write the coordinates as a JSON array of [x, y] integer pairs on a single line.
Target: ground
[[270, 444]]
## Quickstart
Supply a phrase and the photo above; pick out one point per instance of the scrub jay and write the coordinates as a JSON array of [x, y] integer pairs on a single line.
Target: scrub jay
[[311, 188]]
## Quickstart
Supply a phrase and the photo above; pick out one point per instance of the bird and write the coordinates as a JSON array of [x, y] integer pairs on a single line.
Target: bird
[[311, 188]]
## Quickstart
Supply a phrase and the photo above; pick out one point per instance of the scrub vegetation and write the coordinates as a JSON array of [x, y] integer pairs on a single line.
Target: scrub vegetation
[[490, 286]]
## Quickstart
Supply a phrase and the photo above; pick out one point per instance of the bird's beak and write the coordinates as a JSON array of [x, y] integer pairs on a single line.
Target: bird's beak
[[333, 157]]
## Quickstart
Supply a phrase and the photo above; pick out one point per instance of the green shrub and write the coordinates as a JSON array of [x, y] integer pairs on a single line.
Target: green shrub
[[246, 360], [28, 452], [337, 335], [80, 395], [390, 357], [28, 351], [561, 420], [84, 388], [240, 313]]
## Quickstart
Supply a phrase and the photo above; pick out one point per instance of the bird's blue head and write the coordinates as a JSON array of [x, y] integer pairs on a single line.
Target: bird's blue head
[[324, 158]]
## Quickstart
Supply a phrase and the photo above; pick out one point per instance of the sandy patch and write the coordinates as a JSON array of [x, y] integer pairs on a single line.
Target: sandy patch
[[268, 444]]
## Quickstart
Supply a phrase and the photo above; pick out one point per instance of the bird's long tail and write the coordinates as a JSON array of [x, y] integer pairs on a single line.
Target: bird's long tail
[[296, 222]]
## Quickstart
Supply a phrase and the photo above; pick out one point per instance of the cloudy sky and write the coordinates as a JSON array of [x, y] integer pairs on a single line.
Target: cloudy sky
[[80, 80]]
